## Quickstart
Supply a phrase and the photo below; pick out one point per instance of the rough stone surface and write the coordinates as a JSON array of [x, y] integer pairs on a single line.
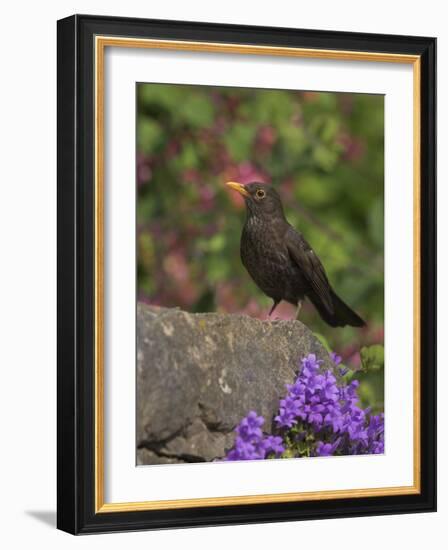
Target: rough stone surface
[[199, 374]]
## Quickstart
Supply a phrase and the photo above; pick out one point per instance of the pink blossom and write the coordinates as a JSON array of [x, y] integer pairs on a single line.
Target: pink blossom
[[353, 147]]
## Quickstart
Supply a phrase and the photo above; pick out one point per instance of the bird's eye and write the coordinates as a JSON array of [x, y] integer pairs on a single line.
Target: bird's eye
[[260, 194]]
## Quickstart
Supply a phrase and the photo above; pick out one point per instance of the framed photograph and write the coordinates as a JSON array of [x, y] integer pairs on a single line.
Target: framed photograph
[[246, 274]]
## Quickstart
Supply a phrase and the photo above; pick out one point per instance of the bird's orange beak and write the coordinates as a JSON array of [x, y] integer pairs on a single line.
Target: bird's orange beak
[[238, 187]]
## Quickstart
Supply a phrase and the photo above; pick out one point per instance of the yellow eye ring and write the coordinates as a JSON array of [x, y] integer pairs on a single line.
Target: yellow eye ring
[[260, 194]]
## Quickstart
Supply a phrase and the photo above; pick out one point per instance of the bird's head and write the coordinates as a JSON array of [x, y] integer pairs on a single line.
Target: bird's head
[[261, 200]]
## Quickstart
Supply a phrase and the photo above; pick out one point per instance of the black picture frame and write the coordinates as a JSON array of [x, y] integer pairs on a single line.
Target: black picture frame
[[76, 286]]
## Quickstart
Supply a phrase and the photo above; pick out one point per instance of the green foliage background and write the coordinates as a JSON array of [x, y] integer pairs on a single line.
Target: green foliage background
[[325, 154]]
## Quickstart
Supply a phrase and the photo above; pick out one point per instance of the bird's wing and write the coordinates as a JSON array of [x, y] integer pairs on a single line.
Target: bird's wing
[[310, 265]]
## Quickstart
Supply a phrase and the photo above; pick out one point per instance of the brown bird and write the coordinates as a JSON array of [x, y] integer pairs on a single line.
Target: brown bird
[[281, 262]]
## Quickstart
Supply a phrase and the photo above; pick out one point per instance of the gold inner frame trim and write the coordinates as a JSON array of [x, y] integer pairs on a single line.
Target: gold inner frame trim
[[101, 42]]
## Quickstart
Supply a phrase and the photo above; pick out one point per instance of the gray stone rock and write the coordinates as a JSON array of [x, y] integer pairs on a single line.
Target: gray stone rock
[[199, 374], [145, 456]]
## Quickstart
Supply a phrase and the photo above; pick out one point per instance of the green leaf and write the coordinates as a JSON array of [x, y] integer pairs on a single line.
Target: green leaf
[[376, 222], [372, 358], [149, 135], [294, 139], [288, 453], [188, 157], [216, 243], [330, 129], [325, 158], [323, 341], [197, 111], [239, 140]]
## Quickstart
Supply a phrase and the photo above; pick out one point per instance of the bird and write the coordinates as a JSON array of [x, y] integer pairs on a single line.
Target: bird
[[281, 262]]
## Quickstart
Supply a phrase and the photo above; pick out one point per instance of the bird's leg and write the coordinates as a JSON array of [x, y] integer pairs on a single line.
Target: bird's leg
[[274, 305], [299, 307]]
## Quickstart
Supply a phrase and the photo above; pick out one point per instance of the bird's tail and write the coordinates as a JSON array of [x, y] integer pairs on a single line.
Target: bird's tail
[[341, 315]]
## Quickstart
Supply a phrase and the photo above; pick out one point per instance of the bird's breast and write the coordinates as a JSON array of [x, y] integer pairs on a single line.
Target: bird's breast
[[265, 256]]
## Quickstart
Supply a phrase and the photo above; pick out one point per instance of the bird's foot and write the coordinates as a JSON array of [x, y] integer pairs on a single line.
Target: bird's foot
[[271, 311]]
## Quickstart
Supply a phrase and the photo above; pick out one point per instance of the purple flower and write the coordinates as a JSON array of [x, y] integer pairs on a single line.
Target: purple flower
[[260, 449], [327, 449], [250, 426], [243, 450], [290, 404], [244, 447], [274, 444], [349, 393], [356, 425], [319, 416], [285, 419], [376, 425], [310, 365], [334, 418], [297, 389], [289, 410], [316, 382], [335, 358], [248, 441], [330, 390], [315, 416], [377, 447]]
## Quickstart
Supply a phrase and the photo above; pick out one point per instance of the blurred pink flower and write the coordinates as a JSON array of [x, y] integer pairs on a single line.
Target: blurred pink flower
[[232, 104], [144, 170], [220, 125], [182, 289], [169, 237], [248, 172], [309, 96], [377, 334], [142, 297], [191, 175], [346, 102], [206, 198], [225, 297], [220, 160], [172, 149], [265, 139], [254, 309], [353, 147], [354, 360], [287, 189], [176, 266]]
